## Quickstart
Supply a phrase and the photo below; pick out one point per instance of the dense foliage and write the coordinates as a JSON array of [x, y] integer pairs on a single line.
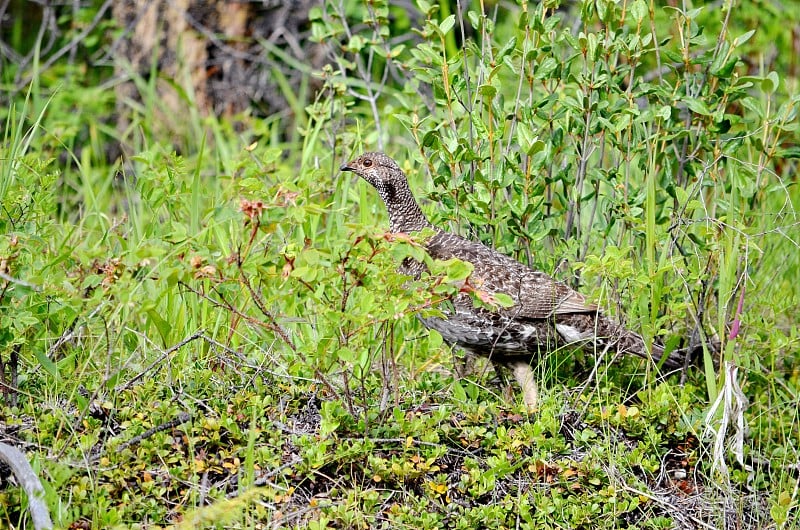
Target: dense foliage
[[220, 338]]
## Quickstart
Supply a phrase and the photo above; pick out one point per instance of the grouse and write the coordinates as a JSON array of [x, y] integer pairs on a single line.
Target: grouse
[[546, 314]]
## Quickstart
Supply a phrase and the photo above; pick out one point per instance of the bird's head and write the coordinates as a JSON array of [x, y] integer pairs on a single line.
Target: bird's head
[[390, 181], [381, 171]]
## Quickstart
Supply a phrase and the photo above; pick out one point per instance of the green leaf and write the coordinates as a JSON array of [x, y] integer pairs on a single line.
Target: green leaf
[[46, 363], [356, 43], [546, 68], [697, 106], [435, 339], [307, 274], [431, 139], [456, 270], [508, 48], [504, 300], [459, 394], [621, 123], [664, 112], [719, 57], [770, 83], [403, 250], [162, 325], [638, 10], [346, 355], [526, 139], [474, 19], [741, 39], [397, 50], [447, 24], [424, 6], [488, 91], [726, 70]]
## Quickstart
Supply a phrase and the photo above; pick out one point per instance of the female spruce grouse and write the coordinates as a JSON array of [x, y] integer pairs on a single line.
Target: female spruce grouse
[[546, 314]]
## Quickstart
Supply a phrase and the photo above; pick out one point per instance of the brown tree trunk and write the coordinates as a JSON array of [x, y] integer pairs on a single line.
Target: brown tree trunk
[[215, 54]]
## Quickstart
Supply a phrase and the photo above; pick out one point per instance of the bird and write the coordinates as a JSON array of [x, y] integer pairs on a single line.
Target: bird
[[546, 314]]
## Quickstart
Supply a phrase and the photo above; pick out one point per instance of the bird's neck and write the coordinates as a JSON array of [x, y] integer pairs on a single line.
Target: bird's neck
[[405, 214]]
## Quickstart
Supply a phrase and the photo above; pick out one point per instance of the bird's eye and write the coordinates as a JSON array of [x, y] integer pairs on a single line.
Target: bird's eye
[[367, 162]]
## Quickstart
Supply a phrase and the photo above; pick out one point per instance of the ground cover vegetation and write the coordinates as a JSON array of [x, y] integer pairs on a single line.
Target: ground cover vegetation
[[219, 338]]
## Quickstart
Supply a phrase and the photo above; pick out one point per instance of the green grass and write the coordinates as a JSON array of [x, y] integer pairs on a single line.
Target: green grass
[[220, 339]]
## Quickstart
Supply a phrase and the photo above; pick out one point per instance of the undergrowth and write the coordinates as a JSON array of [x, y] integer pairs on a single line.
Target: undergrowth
[[220, 338]]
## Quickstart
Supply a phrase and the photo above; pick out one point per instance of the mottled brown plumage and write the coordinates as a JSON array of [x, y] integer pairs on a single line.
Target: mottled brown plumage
[[546, 314]]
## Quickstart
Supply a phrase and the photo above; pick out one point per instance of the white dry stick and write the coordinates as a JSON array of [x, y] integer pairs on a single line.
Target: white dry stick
[[733, 403], [30, 483]]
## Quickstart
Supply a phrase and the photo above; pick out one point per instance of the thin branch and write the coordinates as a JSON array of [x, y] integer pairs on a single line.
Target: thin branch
[[196, 335], [671, 507], [180, 419], [30, 483], [17, 281]]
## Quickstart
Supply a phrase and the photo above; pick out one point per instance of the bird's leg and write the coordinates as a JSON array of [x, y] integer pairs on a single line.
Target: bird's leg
[[524, 375]]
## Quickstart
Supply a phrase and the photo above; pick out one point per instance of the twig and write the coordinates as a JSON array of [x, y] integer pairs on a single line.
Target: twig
[[180, 419], [264, 479], [666, 504], [247, 364], [256, 297], [23, 283], [196, 335], [30, 483], [272, 326], [268, 325]]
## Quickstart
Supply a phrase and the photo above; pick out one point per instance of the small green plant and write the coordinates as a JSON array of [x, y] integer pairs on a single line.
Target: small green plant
[[220, 337]]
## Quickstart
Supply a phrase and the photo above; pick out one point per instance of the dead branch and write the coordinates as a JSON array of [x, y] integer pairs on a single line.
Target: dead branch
[[30, 483]]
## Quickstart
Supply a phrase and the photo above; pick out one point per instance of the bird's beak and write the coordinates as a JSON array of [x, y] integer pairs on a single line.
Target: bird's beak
[[346, 167]]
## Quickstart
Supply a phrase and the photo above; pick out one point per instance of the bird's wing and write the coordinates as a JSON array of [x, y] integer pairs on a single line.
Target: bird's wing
[[536, 295], [574, 302]]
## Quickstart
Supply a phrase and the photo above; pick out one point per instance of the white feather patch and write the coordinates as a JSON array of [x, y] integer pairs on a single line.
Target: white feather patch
[[571, 334]]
